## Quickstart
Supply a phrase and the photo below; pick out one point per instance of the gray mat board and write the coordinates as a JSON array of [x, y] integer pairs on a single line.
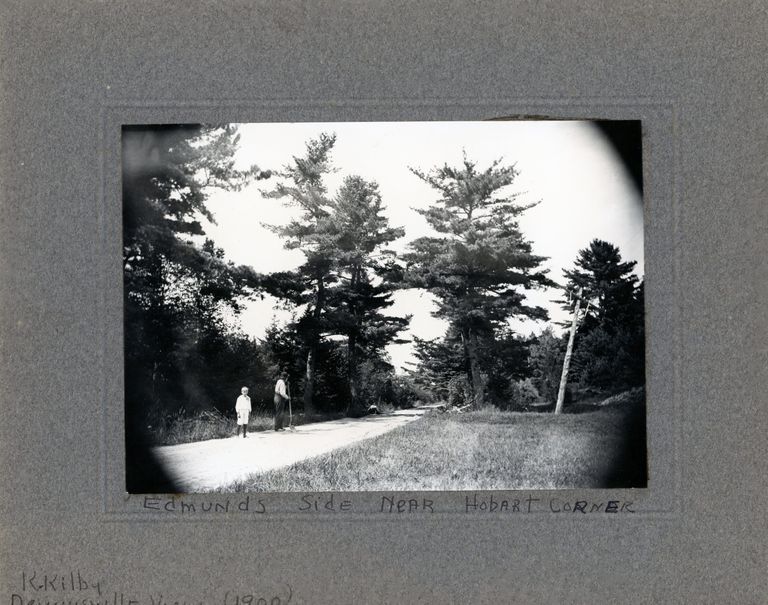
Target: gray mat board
[[66, 68]]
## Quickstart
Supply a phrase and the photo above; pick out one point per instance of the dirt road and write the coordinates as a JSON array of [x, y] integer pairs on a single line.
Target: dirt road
[[207, 465]]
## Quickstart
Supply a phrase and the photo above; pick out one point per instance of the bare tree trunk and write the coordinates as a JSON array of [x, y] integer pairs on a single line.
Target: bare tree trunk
[[352, 375], [568, 353], [353, 406], [309, 382], [470, 342]]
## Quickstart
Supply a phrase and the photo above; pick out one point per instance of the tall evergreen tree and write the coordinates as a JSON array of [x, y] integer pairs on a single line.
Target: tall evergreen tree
[[179, 351], [610, 351], [480, 264], [606, 282], [302, 186], [175, 288], [367, 276]]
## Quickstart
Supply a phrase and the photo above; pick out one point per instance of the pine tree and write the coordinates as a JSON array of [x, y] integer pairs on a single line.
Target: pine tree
[[479, 264], [175, 288], [610, 351], [367, 275], [442, 366], [178, 287], [606, 282], [349, 275], [302, 186]]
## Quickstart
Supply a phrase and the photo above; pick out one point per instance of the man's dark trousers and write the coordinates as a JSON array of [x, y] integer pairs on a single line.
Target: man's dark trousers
[[279, 411]]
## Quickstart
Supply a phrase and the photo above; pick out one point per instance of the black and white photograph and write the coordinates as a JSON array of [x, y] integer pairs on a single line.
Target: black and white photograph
[[371, 306]]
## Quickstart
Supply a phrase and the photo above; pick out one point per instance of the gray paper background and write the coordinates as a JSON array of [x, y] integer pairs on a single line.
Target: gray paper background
[[72, 72]]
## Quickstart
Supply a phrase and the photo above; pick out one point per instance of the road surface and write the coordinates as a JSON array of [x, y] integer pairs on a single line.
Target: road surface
[[207, 465]]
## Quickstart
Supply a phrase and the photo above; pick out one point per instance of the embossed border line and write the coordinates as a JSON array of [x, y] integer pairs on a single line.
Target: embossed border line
[[661, 177]]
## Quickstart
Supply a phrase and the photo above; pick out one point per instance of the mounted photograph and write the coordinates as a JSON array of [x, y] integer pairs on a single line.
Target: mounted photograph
[[384, 306]]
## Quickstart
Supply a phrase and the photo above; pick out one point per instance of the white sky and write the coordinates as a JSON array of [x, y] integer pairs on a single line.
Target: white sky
[[584, 190]]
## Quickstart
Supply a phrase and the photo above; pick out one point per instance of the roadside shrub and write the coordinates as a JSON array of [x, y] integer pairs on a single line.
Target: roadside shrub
[[458, 391], [546, 362], [186, 427], [522, 393], [405, 392]]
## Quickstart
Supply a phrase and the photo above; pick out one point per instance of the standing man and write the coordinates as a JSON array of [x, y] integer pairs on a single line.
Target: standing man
[[243, 410], [281, 396]]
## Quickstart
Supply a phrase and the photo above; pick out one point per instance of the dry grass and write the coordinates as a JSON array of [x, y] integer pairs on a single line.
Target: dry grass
[[187, 428], [184, 427], [484, 450]]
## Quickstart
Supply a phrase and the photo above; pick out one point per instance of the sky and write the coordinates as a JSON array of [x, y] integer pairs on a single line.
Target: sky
[[584, 192]]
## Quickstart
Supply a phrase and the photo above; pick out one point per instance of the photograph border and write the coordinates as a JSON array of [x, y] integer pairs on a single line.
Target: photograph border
[[662, 222]]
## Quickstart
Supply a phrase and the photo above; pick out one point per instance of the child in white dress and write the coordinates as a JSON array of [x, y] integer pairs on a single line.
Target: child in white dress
[[243, 409]]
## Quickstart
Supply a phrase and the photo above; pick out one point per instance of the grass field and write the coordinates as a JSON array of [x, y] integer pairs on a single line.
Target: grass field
[[484, 450]]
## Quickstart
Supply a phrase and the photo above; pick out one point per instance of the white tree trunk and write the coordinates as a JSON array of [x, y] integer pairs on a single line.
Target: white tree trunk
[[568, 353]]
